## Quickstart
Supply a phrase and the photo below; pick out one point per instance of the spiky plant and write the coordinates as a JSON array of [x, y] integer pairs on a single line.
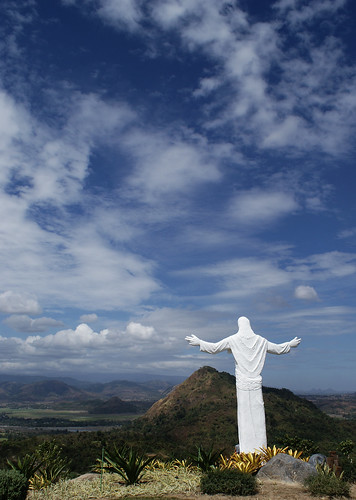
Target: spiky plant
[[244, 462], [267, 452], [128, 463], [205, 459], [27, 466]]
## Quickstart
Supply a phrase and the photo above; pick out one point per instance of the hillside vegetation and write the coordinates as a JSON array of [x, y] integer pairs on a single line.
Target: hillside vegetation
[[202, 410]]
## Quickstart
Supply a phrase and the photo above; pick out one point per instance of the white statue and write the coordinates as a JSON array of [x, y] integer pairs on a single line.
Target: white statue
[[249, 351]]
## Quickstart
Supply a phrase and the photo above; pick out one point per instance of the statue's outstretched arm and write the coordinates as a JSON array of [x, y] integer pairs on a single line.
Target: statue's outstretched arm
[[282, 348], [294, 342], [193, 340], [209, 347]]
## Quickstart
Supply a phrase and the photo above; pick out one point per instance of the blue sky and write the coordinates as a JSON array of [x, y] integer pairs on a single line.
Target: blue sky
[[167, 166]]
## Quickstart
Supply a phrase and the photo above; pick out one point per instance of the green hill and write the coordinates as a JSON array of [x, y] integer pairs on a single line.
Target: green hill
[[202, 410]]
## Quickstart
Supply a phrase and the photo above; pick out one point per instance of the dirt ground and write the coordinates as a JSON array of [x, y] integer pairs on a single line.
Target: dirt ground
[[268, 490]]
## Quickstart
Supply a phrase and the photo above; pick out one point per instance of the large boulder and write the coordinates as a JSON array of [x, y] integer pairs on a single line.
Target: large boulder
[[317, 459], [283, 467]]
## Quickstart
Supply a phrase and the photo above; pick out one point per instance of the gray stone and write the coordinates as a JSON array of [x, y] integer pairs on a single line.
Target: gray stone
[[317, 459], [283, 467], [90, 476]]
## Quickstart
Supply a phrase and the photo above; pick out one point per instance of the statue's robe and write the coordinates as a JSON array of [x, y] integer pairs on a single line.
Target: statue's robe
[[249, 352]]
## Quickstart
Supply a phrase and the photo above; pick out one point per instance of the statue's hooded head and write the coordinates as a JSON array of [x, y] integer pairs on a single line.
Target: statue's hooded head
[[244, 327]]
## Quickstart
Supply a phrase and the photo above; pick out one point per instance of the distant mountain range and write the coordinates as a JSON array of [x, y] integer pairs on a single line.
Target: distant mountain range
[[47, 390]]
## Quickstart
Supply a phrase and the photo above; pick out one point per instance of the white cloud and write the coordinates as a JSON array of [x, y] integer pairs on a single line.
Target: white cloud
[[243, 277], [257, 206], [347, 233], [307, 106], [43, 171], [23, 323], [83, 349], [305, 292], [168, 165], [13, 303], [88, 318], [296, 13], [82, 337], [140, 332], [325, 266]]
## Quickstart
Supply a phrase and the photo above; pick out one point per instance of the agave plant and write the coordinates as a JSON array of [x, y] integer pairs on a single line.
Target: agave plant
[[181, 464], [38, 482], [298, 454], [267, 452], [244, 462], [27, 466], [159, 464], [54, 464], [128, 463], [205, 460]]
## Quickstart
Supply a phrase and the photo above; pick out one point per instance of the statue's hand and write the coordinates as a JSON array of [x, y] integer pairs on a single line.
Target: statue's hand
[[193, 340], [295, 342]]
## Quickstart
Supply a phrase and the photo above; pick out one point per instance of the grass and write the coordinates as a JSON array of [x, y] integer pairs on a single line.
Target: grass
[[163, 485], [156, 483]]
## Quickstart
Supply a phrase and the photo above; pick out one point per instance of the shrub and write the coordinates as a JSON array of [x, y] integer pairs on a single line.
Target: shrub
[[13, 485], [326, 483], [228, 482], [348, 466], [346, 447], [307, 446]]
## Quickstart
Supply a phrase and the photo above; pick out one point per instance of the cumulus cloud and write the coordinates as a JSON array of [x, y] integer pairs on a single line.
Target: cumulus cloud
[[136, 330], [83, 336], [89, 318], [23, 323], [305, 292], [13, 302], [83, 349]]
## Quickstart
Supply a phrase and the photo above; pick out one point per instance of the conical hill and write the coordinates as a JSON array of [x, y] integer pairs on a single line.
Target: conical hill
[[202, 411]]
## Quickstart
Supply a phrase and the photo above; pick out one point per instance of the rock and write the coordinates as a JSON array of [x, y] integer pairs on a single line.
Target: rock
[[90, 476], [317, 459], [283, 467]]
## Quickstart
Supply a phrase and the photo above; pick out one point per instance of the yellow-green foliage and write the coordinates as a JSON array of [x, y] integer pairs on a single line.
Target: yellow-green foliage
[[267, 453], [244, 462], [298, 454], [252, 462], [171, 465]]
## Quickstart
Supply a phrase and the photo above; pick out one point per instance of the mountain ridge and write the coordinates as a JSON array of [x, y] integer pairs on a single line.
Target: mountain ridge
[[50, 390], [202, 410]]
